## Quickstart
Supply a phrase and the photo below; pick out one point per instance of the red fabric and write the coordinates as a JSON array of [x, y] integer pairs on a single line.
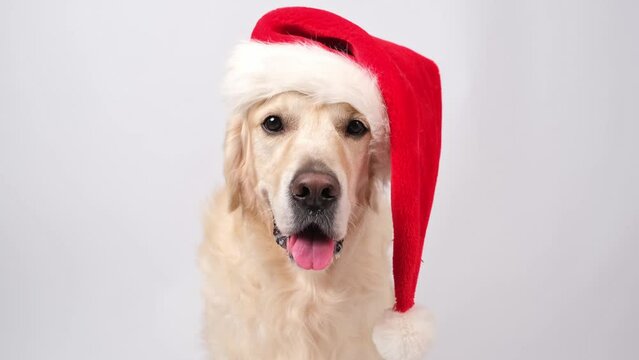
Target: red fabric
[[410, 86]]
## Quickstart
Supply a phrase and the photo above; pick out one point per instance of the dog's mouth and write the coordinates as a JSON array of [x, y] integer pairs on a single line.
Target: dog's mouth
[[311, 248]]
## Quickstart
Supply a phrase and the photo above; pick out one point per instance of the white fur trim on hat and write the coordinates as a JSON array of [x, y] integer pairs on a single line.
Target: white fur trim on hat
[[404, 336], [258, 71]]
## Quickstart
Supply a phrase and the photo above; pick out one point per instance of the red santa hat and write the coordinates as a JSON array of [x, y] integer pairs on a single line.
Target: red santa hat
[[333, 60]]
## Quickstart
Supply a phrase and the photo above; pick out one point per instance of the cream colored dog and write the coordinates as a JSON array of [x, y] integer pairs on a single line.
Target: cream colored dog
[[296, 257]]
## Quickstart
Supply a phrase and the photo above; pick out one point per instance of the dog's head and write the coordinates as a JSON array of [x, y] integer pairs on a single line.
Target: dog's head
[[309, 167]]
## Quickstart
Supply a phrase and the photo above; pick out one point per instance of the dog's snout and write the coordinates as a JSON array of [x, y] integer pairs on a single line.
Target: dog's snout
[[315, 190]]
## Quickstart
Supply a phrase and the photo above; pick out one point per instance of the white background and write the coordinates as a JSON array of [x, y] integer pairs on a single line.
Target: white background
[[110, 142]]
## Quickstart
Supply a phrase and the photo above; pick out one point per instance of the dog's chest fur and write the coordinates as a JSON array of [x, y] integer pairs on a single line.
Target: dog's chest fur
[[258, 305]]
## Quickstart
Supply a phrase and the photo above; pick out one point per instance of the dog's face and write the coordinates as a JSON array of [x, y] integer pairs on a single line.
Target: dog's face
[[306, 166]]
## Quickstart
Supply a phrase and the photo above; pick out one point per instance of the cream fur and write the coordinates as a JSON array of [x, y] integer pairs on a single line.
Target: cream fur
[[259, 304]]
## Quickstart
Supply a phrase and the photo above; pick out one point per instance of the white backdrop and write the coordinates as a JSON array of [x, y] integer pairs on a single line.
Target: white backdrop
[[110, 142]]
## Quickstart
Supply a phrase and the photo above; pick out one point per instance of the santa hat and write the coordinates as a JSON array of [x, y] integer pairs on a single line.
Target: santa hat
[[333, 60]]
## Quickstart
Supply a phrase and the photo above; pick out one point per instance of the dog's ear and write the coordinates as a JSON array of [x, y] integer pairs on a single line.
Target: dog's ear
[[237, 165], [378, 170], [233, 159]]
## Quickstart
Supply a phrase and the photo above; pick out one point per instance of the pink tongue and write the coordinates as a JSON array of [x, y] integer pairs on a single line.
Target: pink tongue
[[308, 253]]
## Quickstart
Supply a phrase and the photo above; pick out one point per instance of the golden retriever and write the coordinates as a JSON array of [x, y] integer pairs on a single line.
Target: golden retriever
[[296, 253]]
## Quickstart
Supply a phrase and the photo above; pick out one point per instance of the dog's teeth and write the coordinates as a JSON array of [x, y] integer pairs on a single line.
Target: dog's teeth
[[279, 238], [338, 247], [281, 241]]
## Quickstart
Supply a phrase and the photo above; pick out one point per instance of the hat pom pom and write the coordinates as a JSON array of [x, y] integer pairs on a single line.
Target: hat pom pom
[[404, 336]]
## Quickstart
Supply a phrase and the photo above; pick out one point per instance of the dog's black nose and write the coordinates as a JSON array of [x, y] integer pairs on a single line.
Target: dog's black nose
[[315, 190]]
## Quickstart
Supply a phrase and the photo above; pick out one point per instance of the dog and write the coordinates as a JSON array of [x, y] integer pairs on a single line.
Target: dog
[[295, 260]]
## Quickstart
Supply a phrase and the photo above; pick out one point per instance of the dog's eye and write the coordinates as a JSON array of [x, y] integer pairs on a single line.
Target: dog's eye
[[273, 124], [356, 128]]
